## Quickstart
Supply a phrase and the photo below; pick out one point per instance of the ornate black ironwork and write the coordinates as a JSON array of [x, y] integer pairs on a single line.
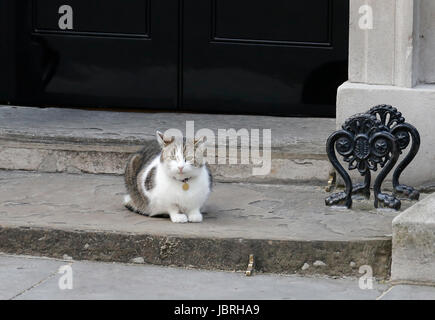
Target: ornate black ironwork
[[403, 132], [367, 140]]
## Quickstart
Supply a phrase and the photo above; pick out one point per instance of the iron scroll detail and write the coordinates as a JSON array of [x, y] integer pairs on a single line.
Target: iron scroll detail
[[403, 132], [368, 141]]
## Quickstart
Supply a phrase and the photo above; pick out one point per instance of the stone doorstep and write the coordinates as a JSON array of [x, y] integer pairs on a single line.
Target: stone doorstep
[[287, 227], [80, 141], [101, 158]]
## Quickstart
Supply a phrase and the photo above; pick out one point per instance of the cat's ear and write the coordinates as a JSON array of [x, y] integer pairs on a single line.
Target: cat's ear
[[199, 150], [200, 141], [162, 140]]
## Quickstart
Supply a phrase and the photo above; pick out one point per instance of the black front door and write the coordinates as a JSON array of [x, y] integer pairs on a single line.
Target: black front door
[[97, 53], [239, 56], [267, 57]]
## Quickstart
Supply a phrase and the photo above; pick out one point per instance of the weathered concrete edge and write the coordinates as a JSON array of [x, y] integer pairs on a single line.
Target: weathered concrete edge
[[341, 258]]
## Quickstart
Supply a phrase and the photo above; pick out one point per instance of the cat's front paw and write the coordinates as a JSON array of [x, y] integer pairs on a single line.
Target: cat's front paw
[[178, 218], [195, 217]]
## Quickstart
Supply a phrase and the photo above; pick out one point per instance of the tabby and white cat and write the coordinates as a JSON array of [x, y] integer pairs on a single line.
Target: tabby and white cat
[[171, 179]]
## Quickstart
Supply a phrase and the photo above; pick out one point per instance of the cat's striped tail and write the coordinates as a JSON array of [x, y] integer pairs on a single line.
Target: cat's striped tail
[[135, 201]]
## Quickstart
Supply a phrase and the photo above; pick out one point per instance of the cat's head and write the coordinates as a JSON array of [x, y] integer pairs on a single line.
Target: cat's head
[[181, 158]]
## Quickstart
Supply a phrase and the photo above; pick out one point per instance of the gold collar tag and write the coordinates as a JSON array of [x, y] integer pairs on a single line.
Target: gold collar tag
[[185, 186]]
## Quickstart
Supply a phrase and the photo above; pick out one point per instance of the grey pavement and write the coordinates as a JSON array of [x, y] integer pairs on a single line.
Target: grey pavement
[[409, 292], [24, 277]]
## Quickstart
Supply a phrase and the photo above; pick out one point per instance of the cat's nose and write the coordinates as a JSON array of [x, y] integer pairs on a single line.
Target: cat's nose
[[180, 168]]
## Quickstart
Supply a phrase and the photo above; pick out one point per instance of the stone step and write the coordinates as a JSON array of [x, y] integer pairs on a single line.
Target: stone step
[[287, 228], [82, 141], [414, 244]]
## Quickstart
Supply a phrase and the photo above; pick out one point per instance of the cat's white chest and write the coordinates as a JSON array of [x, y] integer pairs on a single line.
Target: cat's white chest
[[169, 193]]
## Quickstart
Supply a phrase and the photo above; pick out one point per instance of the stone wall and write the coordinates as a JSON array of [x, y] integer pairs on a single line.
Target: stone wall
[[427, 41]]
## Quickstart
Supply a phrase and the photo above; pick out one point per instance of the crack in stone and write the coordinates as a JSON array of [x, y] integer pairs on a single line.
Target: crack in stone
[[51, 275], [102, 186], [329, 228], [229, 210], [13, 203]]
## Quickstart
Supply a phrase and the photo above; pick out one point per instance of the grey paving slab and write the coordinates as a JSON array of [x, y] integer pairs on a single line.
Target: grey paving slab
[[410, 292], [248, 211], [18, 274], [118, 281], [286, 227]]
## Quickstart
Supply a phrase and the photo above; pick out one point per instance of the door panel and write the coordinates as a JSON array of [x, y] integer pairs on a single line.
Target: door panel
[[274, 21], [269, 57], [116, 53], [7, 53], [110, 17], [276, 57]]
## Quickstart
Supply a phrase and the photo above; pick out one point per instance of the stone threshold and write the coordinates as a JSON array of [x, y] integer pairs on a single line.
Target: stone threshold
[[82, 141], [287, 228]]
